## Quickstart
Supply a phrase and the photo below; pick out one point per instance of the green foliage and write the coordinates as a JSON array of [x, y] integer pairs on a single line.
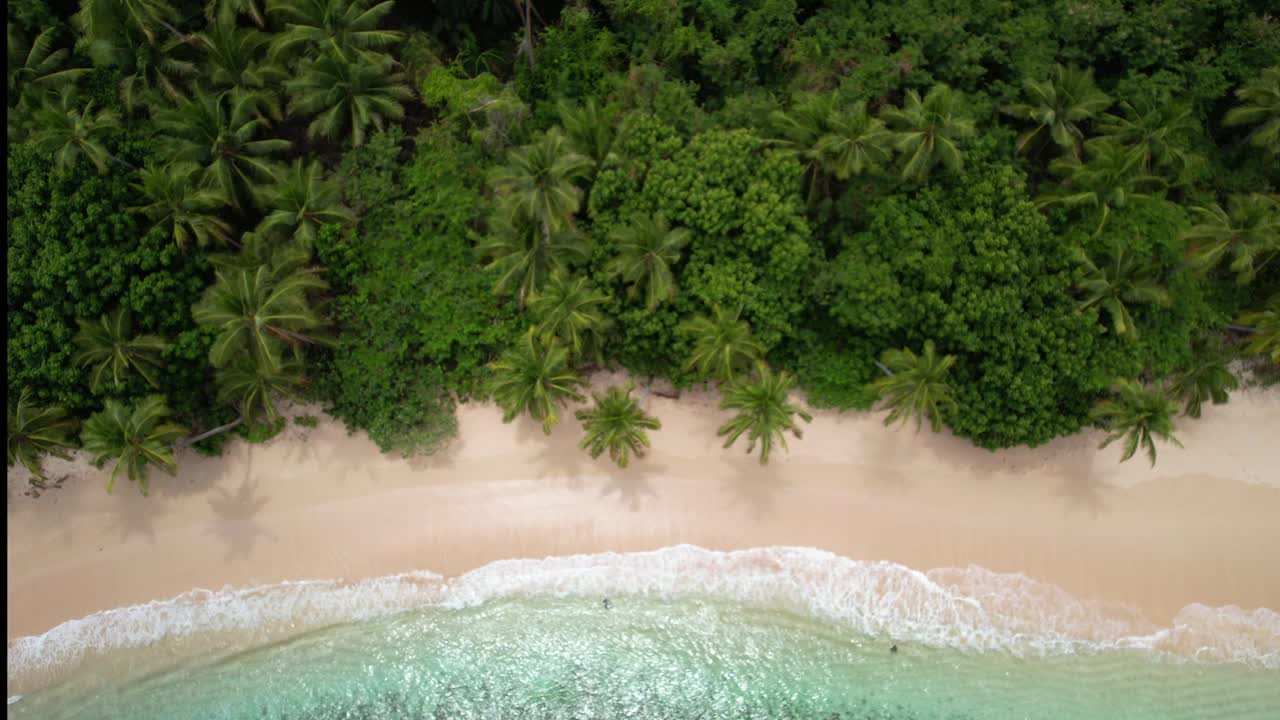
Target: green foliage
[[306, 421], [534, 377], [33, 431], [348, 96], [135, 437], [765, 413], [1137, 415], [570, 311], [915, 386], [572, 58], [723, 344], [111, 349], [1259, 109], [617, 424], [258, 433]]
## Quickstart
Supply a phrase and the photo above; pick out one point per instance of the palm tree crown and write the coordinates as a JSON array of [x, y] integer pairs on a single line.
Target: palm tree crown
[[915, 385], [1123, 279], [134, 437], [346, 27], [571, 311], [250, 386], [1138, 415], [34, 431], [928, 132], [524, 256], [1208, 378], [765, 412], [1248, 232], [348, 96], [617, 424], [70, 132], [723, 344], [1260, 108], [108, 347], [1159, 132], [1058, 106], [1109, 179], [648, 248], [183, 206], [1266, 329], [302, 202], [538, 180], [534, 377]]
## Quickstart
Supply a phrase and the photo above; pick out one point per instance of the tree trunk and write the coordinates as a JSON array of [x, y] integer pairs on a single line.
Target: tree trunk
[[886, 370], [188, 442], [1241, 328]]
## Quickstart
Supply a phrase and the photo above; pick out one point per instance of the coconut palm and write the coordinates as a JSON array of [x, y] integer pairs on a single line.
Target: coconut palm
[[111, 349], [222, 10], [928, 132], [617, 424], [348, 96], [915, 386], [220, 131], [182, 205], [1058, 106], [1137, 415], [302, 202], [1208, 378], [765, 413], [35, 431], [68, 131], [236, 59], [1109, 179], [149, 70], [534, 377], [648, 248], [346, 27], [1260, 108], [798, 130], [38, 67], [832, 141], [105, 21], [570, 310], [251, 386], [1159, 132], [1265, 324], [134, 437], [525, 257], [538, 180], [1121, 280], [723, 344], [591, 130], [1248, 232]]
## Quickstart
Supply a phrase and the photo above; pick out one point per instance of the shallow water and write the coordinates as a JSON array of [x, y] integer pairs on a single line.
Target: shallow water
[[773, 633]]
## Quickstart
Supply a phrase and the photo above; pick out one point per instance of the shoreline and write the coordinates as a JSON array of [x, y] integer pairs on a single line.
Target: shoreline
[[318, 504]]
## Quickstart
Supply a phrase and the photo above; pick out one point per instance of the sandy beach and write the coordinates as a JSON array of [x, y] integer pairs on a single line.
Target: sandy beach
[[1203, 526]]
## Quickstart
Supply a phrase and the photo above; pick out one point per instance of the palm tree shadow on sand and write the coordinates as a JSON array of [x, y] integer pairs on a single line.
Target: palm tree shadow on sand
[[750, 484], [134, 514], [236, 524], [632, 483]]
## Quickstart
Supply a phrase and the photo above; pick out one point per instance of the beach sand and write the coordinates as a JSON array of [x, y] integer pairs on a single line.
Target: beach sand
[[1203, 526]]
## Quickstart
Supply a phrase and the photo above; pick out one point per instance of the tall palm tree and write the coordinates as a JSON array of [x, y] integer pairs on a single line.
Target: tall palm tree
[[571, 310], [525, 257], [183, 205], [647, 249], [348, 96], [236, 59], [534, 377], [346, 27], [765, 412], [617, 424], [251, 386], [1208, 378], [134, 437], [1109, 179], [538, 180], [1248, 232], [1058, 106], [149, 70], [220, 132], [855, 143], [1121, 280], [111, 349], [38, 67], [1159, 132], [915, 386], [929, 131], [1137, 415], [34, 431], [221, 10], [723, 344], [1265, 323], [798, 130], [70, 131], [302, 202], [1260, 107]]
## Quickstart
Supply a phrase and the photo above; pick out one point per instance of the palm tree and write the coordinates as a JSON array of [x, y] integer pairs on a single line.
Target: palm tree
[[648, 248], [616, 424], [1058, 106], [250, 386], [1110, 179], [525, 257], [1137, 415], [348, 95], [798, 130], [235, 57], [258, 311], [538, 180], [182, 205], [1208, 378], [915, 385], [591, 130], [104, 21], [134, 437], [765, 413], [34, 431], [218, 132], [928, 131], [223, 10], [722, 344], [346, 27], [534, 377], [1122, 280], [37, 67], [70, 132], [1157, 131], [302, 202], [110, 347], [855, 143], [1248, 231], [571, 311], [152, 69], [1260, 108], [1266, 329]]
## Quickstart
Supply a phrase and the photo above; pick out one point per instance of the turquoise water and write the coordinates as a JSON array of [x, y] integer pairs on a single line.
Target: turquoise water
[[553, 651]]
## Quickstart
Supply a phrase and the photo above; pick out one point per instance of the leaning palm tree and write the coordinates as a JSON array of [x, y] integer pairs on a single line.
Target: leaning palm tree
[[302, 202], [1248, 232], [69, 131], [1137, 415], [915, 386], [1265, 327], [723, 344], [251, 386], [35, 431], [1159, 132], [134, 437], [1261, 109], [765, 412], [524, 256], [112, 350], [1209, 377], [570, 310], [648, 248], [928, 132], [1121, 280], [616, 423], [1109, 179], [538, 180], [1058, 106], [348, 97], [182, 205], [534, 377], [346, 27]]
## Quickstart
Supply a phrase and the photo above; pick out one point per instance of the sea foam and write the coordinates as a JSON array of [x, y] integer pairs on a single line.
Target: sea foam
[[970, 609]]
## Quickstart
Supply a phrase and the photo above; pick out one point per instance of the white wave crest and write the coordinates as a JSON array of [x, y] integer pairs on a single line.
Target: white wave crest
[[971, 609]]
